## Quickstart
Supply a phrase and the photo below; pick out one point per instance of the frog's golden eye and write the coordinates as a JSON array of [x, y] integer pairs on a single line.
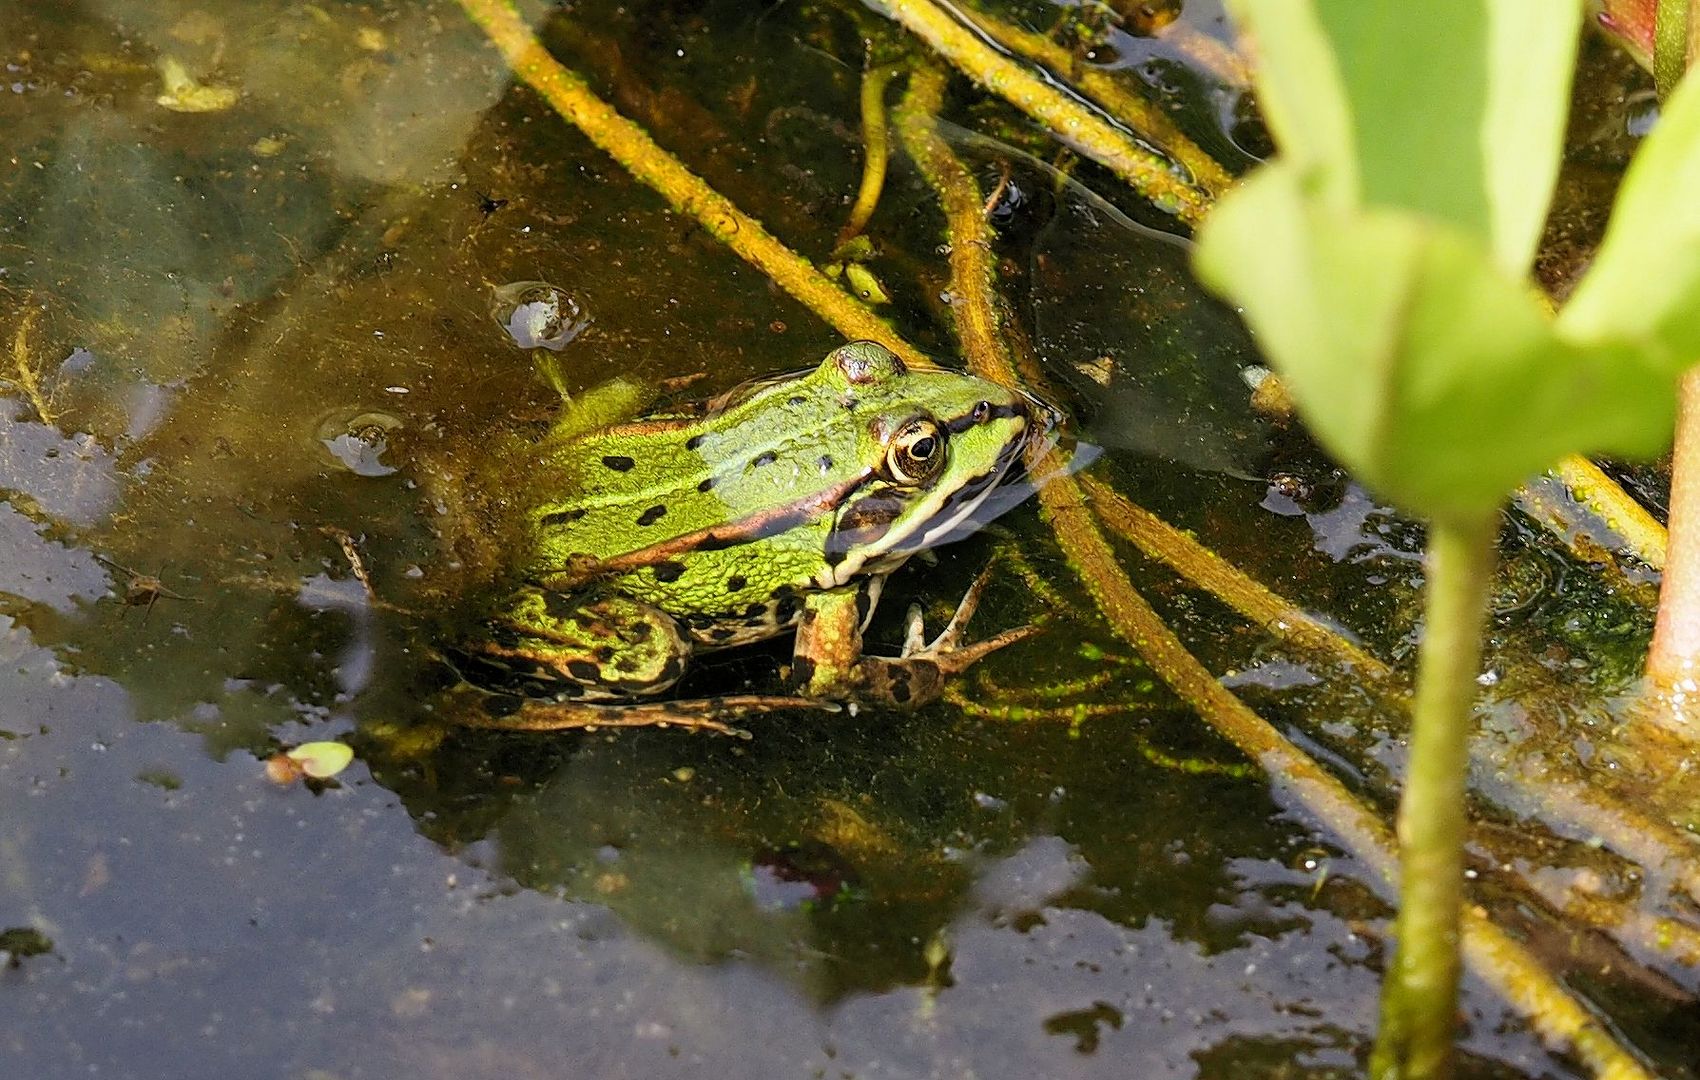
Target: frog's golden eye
[[915, 453]]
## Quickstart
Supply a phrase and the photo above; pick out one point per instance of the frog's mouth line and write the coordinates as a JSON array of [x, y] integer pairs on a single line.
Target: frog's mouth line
[[964, 511], [982, 499]]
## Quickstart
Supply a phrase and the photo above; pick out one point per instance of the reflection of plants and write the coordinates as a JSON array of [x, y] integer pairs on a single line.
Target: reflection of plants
[[1456, 234]]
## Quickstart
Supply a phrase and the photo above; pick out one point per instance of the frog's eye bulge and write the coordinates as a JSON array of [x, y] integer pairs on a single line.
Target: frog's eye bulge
[[866, 363], [916, 453]]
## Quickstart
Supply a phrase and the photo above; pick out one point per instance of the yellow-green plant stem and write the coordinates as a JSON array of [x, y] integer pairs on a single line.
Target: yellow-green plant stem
[[1640, 531], [686, 192], [1665, 853], [1420, 991], [876, 151], [1114, 97], [1295, 776], [1655, 938], [1281, 618], [1085, 130], [1670, 44], [973, 266]]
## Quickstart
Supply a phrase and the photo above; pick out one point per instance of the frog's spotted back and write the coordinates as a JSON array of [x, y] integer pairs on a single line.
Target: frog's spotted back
[[797, 484]]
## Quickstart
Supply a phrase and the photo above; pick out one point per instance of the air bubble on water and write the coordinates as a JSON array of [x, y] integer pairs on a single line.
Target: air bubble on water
[[537, 315], [357, 439]]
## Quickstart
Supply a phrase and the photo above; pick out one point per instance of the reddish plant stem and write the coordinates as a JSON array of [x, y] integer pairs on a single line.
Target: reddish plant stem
[[1674, 658]]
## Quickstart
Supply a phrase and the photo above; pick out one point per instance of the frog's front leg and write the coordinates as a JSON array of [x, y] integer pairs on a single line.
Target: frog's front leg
[[829, 663]]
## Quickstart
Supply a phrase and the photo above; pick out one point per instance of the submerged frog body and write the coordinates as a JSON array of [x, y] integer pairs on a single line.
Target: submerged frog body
[[782, 506]]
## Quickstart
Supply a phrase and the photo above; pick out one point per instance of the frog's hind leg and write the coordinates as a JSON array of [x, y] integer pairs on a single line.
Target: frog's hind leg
[[829, 661], [947, 650]]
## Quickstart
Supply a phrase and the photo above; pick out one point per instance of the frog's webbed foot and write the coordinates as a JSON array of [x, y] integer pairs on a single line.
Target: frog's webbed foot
[[470, 707], [947, 651], [829, 663]]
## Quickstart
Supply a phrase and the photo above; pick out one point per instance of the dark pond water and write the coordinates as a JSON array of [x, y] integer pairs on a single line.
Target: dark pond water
[[247, 256]]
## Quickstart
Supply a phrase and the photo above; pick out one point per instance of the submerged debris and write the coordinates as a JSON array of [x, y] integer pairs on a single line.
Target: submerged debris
[[183, 94], [21, 942]]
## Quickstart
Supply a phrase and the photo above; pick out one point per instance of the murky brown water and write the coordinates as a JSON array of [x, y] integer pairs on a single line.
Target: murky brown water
[[207, 317]]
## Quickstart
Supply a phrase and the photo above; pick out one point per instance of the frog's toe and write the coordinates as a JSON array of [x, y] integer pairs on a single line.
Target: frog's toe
[[947, 650], [951, 657]]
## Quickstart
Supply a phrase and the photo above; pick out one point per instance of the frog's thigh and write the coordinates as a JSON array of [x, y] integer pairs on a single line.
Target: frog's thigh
[[608, 648]]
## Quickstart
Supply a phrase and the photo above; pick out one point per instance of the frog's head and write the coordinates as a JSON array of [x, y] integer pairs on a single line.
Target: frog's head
[[939, 450]]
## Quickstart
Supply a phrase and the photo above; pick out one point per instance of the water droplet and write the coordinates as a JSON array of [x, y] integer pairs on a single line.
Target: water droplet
[[537, 315]]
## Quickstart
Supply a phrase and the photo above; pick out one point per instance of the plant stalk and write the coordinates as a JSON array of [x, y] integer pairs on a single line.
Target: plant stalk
[[1083, 129], [1673, 660], [876, 151], [1419, 995], [1670, 45], [1639, 530], [1123, 104], [685, 191]]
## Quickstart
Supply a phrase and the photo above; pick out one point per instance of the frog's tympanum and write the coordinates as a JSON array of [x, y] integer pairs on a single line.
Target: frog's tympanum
[[779, 507]]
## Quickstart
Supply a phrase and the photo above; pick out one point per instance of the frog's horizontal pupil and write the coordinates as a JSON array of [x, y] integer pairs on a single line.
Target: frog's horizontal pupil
[[652, 515], [923, 448], [618, 462]]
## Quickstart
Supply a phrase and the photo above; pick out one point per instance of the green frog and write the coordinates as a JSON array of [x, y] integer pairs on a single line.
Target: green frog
[[780, 507]]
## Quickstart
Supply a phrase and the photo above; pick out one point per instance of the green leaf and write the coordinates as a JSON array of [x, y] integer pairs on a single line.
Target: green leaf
[[1452, 109], [1432, 375], [322, 760], [1300, 92], [1644, 284]]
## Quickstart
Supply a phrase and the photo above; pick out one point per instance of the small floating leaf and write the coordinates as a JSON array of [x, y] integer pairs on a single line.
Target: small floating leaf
[[321, 760], [864, 284]]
